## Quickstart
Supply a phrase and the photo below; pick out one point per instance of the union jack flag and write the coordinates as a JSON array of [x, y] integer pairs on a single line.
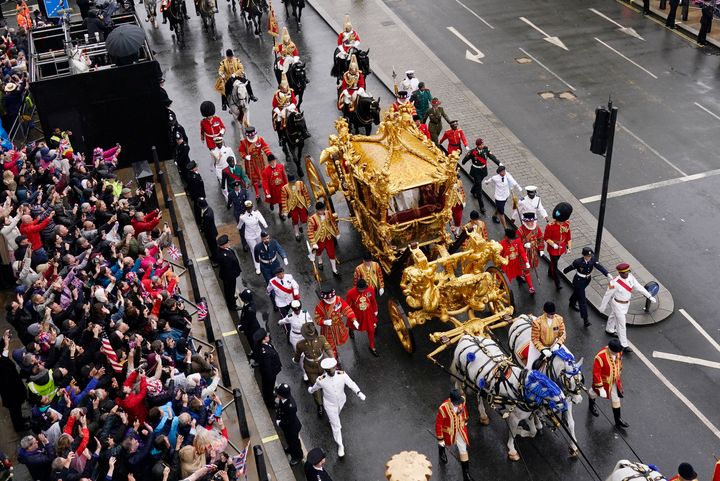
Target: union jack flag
[[174, 252], [240, 461], [111, 355], [202, 311]]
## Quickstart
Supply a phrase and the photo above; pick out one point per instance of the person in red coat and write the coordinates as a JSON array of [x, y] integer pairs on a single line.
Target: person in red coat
[[329, 313], [451, 428], [252, 148], [607, 382], [422, 127], [518, 265], [532, 237], [146, 222], [133, 400], [361, 300], [273, 180], [455, 137], [559, 240], [211, 127]]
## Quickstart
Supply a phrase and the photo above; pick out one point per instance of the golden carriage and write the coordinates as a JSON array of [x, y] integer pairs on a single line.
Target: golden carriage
[[398, 186]]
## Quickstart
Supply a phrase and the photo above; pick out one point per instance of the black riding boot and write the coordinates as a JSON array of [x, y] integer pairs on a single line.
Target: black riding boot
[[300, 172], [466, 470], [592, 407], [619, 420], [442, 454]]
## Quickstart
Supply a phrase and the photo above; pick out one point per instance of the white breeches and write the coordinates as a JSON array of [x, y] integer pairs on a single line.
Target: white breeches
[[614, 398], [282, 113], [252, 242], [349, 98]]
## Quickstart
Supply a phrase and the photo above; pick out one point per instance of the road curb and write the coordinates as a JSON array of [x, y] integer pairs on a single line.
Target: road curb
[[636, 316]]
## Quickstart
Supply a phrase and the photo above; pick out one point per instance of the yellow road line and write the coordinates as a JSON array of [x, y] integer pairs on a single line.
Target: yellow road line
[[229, 333], [268, 439], [180, 194]]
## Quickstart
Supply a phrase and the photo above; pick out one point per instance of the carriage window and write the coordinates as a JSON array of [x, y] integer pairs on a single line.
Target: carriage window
[[415, 203]]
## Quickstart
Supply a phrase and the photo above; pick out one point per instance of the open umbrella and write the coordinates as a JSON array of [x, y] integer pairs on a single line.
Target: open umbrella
[[125, 40]]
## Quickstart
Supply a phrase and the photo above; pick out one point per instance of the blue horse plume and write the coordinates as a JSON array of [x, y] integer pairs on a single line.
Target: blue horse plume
[[539, 389]]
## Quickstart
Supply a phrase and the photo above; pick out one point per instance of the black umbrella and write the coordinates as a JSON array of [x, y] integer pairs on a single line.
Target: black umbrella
[[125, 40]]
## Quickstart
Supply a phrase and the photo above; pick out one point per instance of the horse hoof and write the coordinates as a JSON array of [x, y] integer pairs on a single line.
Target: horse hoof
[[573, 453], [484, 420], [513, 457]]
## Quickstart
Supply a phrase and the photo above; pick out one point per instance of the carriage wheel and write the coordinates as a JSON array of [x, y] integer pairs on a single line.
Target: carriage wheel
[[506, 298], [401, 325], [318, 187]]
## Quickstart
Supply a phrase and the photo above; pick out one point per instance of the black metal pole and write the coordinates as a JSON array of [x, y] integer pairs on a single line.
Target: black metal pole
[[240, 411], [208, 324], [260, 463], [220, 349], [193, 280], [170, 206], [606, 178]]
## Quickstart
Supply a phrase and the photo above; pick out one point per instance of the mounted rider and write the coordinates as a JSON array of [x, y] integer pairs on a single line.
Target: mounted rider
[[283, 101], [352, 87], [547, 334], [286, 52], [229, 66], [347, 39]]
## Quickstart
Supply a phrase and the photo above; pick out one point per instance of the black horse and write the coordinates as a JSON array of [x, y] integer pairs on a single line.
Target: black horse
[[297, 79], [340, 66], [366, 113], [297, 8], [292, 137], [252, 11]]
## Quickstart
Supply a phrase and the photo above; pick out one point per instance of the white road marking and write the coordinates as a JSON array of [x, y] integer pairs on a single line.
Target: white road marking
[[686, 359], [475, 14], [706, 110], [676, 392], [700, 329], [631, 61], [625, 30], [553, 40], [543, 66], [647, 146], [473, 57], [654, 185]]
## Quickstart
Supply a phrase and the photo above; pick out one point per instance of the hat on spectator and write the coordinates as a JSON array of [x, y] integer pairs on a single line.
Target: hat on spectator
[[34, 329], [10, 87]]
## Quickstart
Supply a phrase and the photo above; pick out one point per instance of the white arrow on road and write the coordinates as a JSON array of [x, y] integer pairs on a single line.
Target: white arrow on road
[[686, 359], [553, 40], [626, 30], [473, 57]]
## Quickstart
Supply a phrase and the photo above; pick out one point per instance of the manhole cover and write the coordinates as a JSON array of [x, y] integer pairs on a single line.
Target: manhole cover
[[546, 95], [567, 95], [522, 60]]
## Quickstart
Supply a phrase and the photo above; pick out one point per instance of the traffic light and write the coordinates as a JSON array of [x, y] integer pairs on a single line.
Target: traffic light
[[601, 131]]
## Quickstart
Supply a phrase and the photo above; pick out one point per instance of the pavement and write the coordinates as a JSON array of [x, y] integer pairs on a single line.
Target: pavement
[[404, 391]]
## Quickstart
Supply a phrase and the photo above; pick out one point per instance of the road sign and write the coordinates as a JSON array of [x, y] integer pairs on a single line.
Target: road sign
[[55, 8]]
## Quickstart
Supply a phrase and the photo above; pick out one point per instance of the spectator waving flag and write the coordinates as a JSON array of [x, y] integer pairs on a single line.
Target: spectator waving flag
[[240, 461], [110, 353], [174, 252], [202, 310]]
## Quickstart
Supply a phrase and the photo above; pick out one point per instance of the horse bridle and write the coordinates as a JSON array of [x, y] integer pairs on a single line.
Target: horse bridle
[[564, 378], [357, 112]]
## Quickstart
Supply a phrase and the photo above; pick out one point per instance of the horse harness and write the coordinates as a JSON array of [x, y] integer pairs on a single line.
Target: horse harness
[[642, 472]]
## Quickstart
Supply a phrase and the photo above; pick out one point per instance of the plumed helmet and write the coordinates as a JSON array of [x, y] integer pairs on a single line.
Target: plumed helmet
[[353, 67], [285, 35], [207, 108], [347, 25]]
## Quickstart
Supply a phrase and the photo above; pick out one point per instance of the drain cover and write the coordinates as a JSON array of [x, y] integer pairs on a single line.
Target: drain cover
[[546, 95], [523, 60], [567, 95]]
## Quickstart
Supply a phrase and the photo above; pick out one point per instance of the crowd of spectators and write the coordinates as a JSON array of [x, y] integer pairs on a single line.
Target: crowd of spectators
[[107, 382]]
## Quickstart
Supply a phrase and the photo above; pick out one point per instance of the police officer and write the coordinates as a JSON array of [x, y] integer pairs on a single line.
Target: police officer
[[312, 349], [196, 186], [268, 363], [182, 155], [583, 267], [249, 324], [229, 270], [209, 229], [478, 168], [333, 384], [706, 18], [315, 466], [267, 253], [287, 420], [236, 200]]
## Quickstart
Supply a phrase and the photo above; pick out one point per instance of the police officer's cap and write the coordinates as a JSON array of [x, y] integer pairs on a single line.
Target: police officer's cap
[[222, 240], [191, 165], [587, 251], [202, 203], [456, 398], [295, 304], [549, 307], [259, 335], [178, 135], [328, 363], [319, 205], [315, 456], [248, 203], [474, 215], [615, 345], [283, 390], [246, 295], [237, 183]]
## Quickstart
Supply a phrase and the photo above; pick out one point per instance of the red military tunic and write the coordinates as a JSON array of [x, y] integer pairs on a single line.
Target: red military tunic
[[294, 201], [371, 273], [359, 84], [425, 130], [450, 424], [607, 371], [560, 233], [336, 334], [537, 244], [210, 128], [273, 180], [455, 139], [287, 49], [364, 305], [516, 256], [352, 37], [256, 164]]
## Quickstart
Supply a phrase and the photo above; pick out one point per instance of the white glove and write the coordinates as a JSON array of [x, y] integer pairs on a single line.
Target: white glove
[[315, 247], [327, 322], [546, 352], [441, 443], [376, 316], [356, 325], [603, 393], [526, 245], [653, 299], [361, 396], [542, 253], [285, 261], [527, 265], [267, 196], [568, 249], [278, 422], [554, 347], [247, 157], [610, 277], [337, 237], [310, 390], [381, 291]]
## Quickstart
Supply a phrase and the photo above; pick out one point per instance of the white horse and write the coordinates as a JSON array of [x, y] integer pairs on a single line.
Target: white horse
[[628, 471], [239, 102], [515, 393], [151, 10], [564, 371]]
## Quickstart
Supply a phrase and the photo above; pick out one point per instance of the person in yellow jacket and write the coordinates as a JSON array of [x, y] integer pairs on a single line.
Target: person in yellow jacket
[[546, 335]]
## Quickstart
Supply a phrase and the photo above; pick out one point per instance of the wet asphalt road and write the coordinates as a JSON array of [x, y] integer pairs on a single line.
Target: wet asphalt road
[[403, 391]]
